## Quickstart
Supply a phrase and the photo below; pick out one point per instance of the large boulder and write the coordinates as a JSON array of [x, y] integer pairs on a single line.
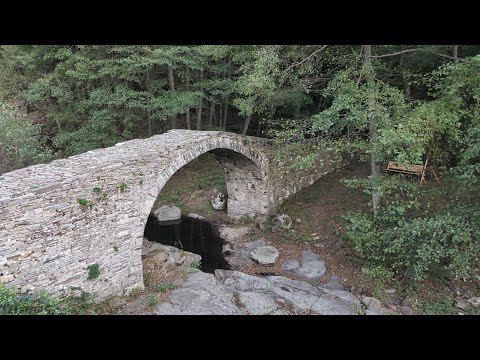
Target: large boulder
[[265, 255], [164, 254], [281, 222], [474, 301], [167, 214], [218, 201], [374, 306]]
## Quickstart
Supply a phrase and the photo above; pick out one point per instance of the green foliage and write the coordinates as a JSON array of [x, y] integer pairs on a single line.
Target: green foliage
[[164, 287], [135, 293], [115, 248], [93, 271], [84, 202], [33, 304], [123, 186], [445, 306], [20, 141], [196, 264], [417, 243], [100, 192], [152, 300]]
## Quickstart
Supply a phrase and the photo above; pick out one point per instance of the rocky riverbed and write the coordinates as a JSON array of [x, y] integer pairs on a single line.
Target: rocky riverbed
[[233, 292]]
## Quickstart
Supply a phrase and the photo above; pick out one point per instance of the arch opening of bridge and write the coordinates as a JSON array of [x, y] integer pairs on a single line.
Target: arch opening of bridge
[[50, 239]]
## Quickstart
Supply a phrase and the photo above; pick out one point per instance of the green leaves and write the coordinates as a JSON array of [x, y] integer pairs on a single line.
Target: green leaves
[[413, 242], [33, 304]]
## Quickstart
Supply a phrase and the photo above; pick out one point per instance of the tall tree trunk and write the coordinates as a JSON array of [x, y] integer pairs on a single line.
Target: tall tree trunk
[[220, 116], [259, 130], [187, 85], [406, 84], [372, 123], [200, 103], [171, 82], [320, 103], [150, 128], [215, 116], [245, 125], [225, 112], [249, 117], [210, 116], [455, 53]]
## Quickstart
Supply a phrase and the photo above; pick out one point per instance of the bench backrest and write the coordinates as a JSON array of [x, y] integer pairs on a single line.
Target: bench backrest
[[405, 167]]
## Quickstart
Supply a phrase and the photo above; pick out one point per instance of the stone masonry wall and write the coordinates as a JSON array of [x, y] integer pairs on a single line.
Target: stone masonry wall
[[47, 239]]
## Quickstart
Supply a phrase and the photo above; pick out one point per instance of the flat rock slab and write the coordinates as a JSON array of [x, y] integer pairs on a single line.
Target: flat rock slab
[[265, 255], [374, 306], [233, 292], [167, 214], [311, 266], [290, 296], [164, 254], [474, 301], [290, 265], [240, 254], [234, 234], [334, 283], [199, 295]]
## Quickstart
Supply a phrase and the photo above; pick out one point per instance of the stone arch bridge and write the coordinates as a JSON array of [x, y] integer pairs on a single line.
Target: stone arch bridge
[[48, 239]]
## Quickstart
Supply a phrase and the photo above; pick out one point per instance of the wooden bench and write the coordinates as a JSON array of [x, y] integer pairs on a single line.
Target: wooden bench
[[412, 169]]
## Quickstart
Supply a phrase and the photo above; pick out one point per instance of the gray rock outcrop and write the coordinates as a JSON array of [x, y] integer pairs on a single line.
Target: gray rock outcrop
[[265, 255], [281, 222], [166, 214], [311, 267]]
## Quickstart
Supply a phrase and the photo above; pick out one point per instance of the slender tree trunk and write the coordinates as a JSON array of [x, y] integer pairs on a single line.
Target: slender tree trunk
[[220, 115], [249, 117], [59, 126], [372, 123], [406, 84], [225, 109], [210, 116], [187, 85], [259, 130], [455, 53], [320, 103], [225, 113], [215, 117], [199, 108], [245, 125], [171, 82]]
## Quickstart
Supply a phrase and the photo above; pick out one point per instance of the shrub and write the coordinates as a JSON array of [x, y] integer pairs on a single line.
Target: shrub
[[34, 304], [93, 271], [418, 244]]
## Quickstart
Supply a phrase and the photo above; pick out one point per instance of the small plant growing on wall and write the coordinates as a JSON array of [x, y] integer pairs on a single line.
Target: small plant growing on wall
[[135, 293], [123, 186], [115, 247], [93, 271], [84, 202], [100, 192], [196, 264], [152, 300]]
